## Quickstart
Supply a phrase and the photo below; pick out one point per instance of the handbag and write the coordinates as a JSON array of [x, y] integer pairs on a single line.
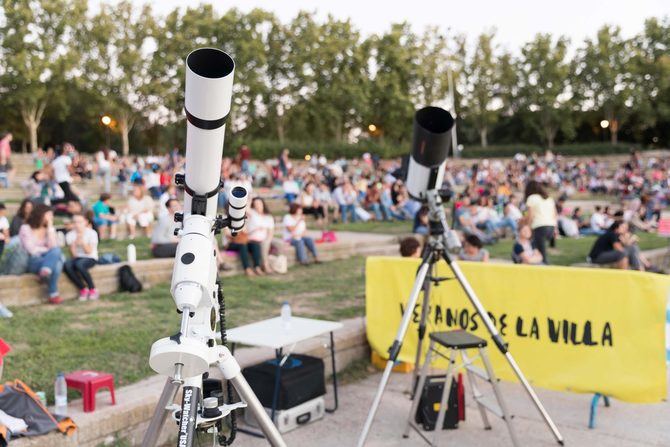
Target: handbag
[[328, 236], [278, 263]]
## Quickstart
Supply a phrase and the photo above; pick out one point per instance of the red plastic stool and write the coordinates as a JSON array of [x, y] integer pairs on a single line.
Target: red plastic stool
[[88, 383]]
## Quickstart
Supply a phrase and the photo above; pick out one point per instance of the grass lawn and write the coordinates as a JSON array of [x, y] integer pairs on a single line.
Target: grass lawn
[[120, 247], [573, 251], [116, 333], [394, 227]]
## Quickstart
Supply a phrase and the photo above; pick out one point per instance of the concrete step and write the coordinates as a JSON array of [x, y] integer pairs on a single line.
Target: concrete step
[[25, 290]]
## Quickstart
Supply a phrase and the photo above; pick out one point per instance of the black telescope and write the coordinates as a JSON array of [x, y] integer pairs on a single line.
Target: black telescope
[[430, 148]]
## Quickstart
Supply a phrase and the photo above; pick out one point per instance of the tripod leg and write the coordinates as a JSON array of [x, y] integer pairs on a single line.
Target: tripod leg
[[395, 347], [419, 389], [160, 414], [264, 422], [422, 329], [446, 391], [502, 346], [231, 371]]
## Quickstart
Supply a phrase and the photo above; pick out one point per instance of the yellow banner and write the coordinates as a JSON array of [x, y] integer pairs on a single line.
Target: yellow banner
[[570, 329]]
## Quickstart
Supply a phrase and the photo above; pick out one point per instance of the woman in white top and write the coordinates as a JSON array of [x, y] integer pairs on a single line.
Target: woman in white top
[[311, 206], [294, 233], [260, 226], [83, 243], [140, 211], [542, 215]]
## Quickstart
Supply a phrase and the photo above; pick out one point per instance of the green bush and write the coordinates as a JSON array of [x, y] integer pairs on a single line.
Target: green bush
[[266, 149], [575, 149]]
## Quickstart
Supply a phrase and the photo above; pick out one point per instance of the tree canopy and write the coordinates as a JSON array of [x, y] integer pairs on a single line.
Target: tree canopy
[[319, 81]]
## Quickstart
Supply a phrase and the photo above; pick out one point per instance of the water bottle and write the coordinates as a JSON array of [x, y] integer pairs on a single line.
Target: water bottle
[[132, 254], [60, 395], [286, 315]]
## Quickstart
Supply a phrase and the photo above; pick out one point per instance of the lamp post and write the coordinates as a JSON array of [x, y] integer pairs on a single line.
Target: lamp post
[[604, 124], [106, 121]]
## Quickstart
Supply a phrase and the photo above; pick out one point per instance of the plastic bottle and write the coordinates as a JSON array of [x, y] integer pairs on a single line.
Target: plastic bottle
[[286, 315], [132, 253], [60, 395]]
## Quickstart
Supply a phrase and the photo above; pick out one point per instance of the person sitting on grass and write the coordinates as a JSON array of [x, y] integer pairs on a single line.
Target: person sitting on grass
[[21, 216], [163, 240], [421, 225], [104, 219], [82, 241], [261, 226], [38, 238], [345, 196], [524, 252], [410, 247], [311, 206], [294, 233], [240, 243], [617, 248], [472, 250], [140, 211]]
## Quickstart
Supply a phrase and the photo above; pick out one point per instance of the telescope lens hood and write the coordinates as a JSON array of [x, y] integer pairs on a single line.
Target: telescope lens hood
[[432, 137], [210, 63]]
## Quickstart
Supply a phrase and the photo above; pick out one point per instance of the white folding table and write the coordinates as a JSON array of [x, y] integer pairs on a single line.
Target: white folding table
[[272, 333]]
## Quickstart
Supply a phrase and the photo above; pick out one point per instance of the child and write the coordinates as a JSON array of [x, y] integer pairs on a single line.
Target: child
[[472, 250], [83, 244], [4, 227], [104, 217], [410, 247]]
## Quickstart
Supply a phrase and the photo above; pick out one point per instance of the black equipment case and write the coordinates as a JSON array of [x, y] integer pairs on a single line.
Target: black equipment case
[[429, 403], [302, 378]]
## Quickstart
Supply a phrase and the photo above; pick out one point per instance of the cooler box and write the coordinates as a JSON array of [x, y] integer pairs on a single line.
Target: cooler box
[[292, 418], [302, 379], [429, 403]]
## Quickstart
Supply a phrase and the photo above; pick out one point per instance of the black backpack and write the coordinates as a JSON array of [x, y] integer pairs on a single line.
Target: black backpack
[[128, 282]]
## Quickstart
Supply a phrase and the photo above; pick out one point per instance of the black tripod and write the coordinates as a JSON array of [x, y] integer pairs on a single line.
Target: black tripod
[[441, 240]]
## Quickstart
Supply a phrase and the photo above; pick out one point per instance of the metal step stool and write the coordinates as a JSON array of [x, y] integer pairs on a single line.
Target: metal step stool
[[458, 342]]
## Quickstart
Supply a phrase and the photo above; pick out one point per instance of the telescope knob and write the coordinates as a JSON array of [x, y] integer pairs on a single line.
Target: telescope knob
[[178, 217], [179, 179], [176, 231]]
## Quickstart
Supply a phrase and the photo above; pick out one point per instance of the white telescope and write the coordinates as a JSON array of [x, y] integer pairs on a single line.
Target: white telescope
[[187, 355]]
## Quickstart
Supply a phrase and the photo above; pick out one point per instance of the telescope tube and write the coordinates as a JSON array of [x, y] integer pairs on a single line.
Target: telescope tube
[[430, 149], [209, 88]]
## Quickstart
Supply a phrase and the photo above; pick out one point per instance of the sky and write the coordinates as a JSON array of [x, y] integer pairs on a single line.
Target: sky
[[516, 21]]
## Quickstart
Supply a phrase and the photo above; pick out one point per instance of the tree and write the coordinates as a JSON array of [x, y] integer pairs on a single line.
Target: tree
[[605, 79], [394, 83], [117, 63], [650, 66], [38, 43], [434, 59], [482, 73], [544, 76], [288, 74], [336, 82]]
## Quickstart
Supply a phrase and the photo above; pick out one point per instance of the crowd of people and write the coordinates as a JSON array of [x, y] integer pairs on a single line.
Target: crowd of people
[[494, 199]]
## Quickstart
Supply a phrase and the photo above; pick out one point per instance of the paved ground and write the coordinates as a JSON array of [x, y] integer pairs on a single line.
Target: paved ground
[[621, 425]]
